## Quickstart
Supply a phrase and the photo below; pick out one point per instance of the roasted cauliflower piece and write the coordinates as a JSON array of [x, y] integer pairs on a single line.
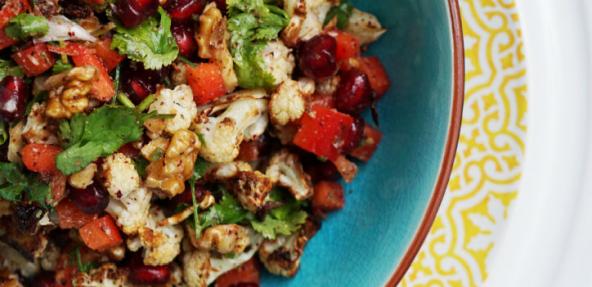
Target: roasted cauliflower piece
[[169, 173], [286, 170], [243, 119], [212, 39], [196, 268], [227, 171], [131, 211], [282, 255], [178, 102], [224, 239], [106, 275], [364, 26], [306, 19], [71, 95], [15, 142], [37, 129], [251, 189], [278, 61], [120, 175], [161, 243], [288, 103]]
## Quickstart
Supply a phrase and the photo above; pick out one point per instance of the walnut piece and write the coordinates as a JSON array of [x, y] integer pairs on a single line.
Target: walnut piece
[[72, 96]]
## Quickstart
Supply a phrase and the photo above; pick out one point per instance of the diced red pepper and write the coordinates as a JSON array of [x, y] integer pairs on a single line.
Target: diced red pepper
[[5, 41], [40, 157], [328, 196], [70, 216], [101, 234], [110, 57], [348, 46], [323, 132], [206, 82], [11, 9], [376, 72], [244, 275], [34, 60], [372, 138], [102, 88], [70, 49]]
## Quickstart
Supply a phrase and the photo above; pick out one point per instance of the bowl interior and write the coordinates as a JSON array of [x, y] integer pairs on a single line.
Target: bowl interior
[[364, 243]]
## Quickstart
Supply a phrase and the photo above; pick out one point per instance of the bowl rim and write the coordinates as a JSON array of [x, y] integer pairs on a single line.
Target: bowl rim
[[450, 148]]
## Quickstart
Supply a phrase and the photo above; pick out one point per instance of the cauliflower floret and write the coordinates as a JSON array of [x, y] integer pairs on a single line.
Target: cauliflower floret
[[131, 211], [36, 129], [244, 119], [278, 60], [196, 268], [288, 103], [201, 268], [106, 275], [224, 238], [251, 189], [282, 255], [178, 102], [227, 171], [161, 243], [286, 170], [306, 19], [121, 177], [364, 26], [15, 142]]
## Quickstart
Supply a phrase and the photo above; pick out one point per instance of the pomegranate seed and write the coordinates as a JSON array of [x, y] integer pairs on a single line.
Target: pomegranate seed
[[182, 10], [354, 92], [184, 35], [149, 275], [13, 98], [316, 57], [139, 82], [355, 136], [93, 199], [133, 12]]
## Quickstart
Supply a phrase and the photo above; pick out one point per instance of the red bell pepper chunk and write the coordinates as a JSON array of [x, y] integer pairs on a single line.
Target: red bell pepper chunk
[[34, 60], [102, 89], [328, 196], [40, 157], [110, 57], [206, 82], [370, 141], [101, 234], [376, 72], [323, 132], [348, 46]]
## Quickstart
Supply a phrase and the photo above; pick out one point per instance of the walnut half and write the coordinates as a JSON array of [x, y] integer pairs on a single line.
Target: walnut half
[[71, 95]]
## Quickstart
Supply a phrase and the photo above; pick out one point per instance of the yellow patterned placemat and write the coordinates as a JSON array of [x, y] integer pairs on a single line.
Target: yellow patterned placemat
[[488, 164]]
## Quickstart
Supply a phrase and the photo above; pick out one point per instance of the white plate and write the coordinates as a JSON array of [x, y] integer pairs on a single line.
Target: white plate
[[548, 241]]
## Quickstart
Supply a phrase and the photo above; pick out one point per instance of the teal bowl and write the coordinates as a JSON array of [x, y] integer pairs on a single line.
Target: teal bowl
[[391, 205]]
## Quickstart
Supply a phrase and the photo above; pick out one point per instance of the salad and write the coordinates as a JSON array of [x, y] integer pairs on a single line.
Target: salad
[[177, 142]]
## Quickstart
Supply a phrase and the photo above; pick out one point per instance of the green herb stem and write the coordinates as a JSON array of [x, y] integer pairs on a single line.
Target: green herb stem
[[125, 101], [146, 103]]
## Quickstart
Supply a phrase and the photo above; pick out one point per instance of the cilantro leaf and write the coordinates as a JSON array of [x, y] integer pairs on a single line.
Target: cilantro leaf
[[227, 211], [6, 69], [14, 183], [100, 133], [341, 12], [283, 220], [252, 24], [151, 43], [26, 25]]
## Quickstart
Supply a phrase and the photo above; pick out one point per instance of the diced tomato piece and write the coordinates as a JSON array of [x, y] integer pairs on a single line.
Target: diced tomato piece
[[101, 234], [246, 274], [110, 57], [40, 157], [206, 82], [323, 132], [10, 9], [70, 216], [372, 138], [34, 60], [5, 41], [328, 196], [376, 72], [102, 88], [348, 46]]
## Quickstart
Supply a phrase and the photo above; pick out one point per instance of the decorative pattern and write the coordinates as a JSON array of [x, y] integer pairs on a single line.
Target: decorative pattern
[[488, 164]]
